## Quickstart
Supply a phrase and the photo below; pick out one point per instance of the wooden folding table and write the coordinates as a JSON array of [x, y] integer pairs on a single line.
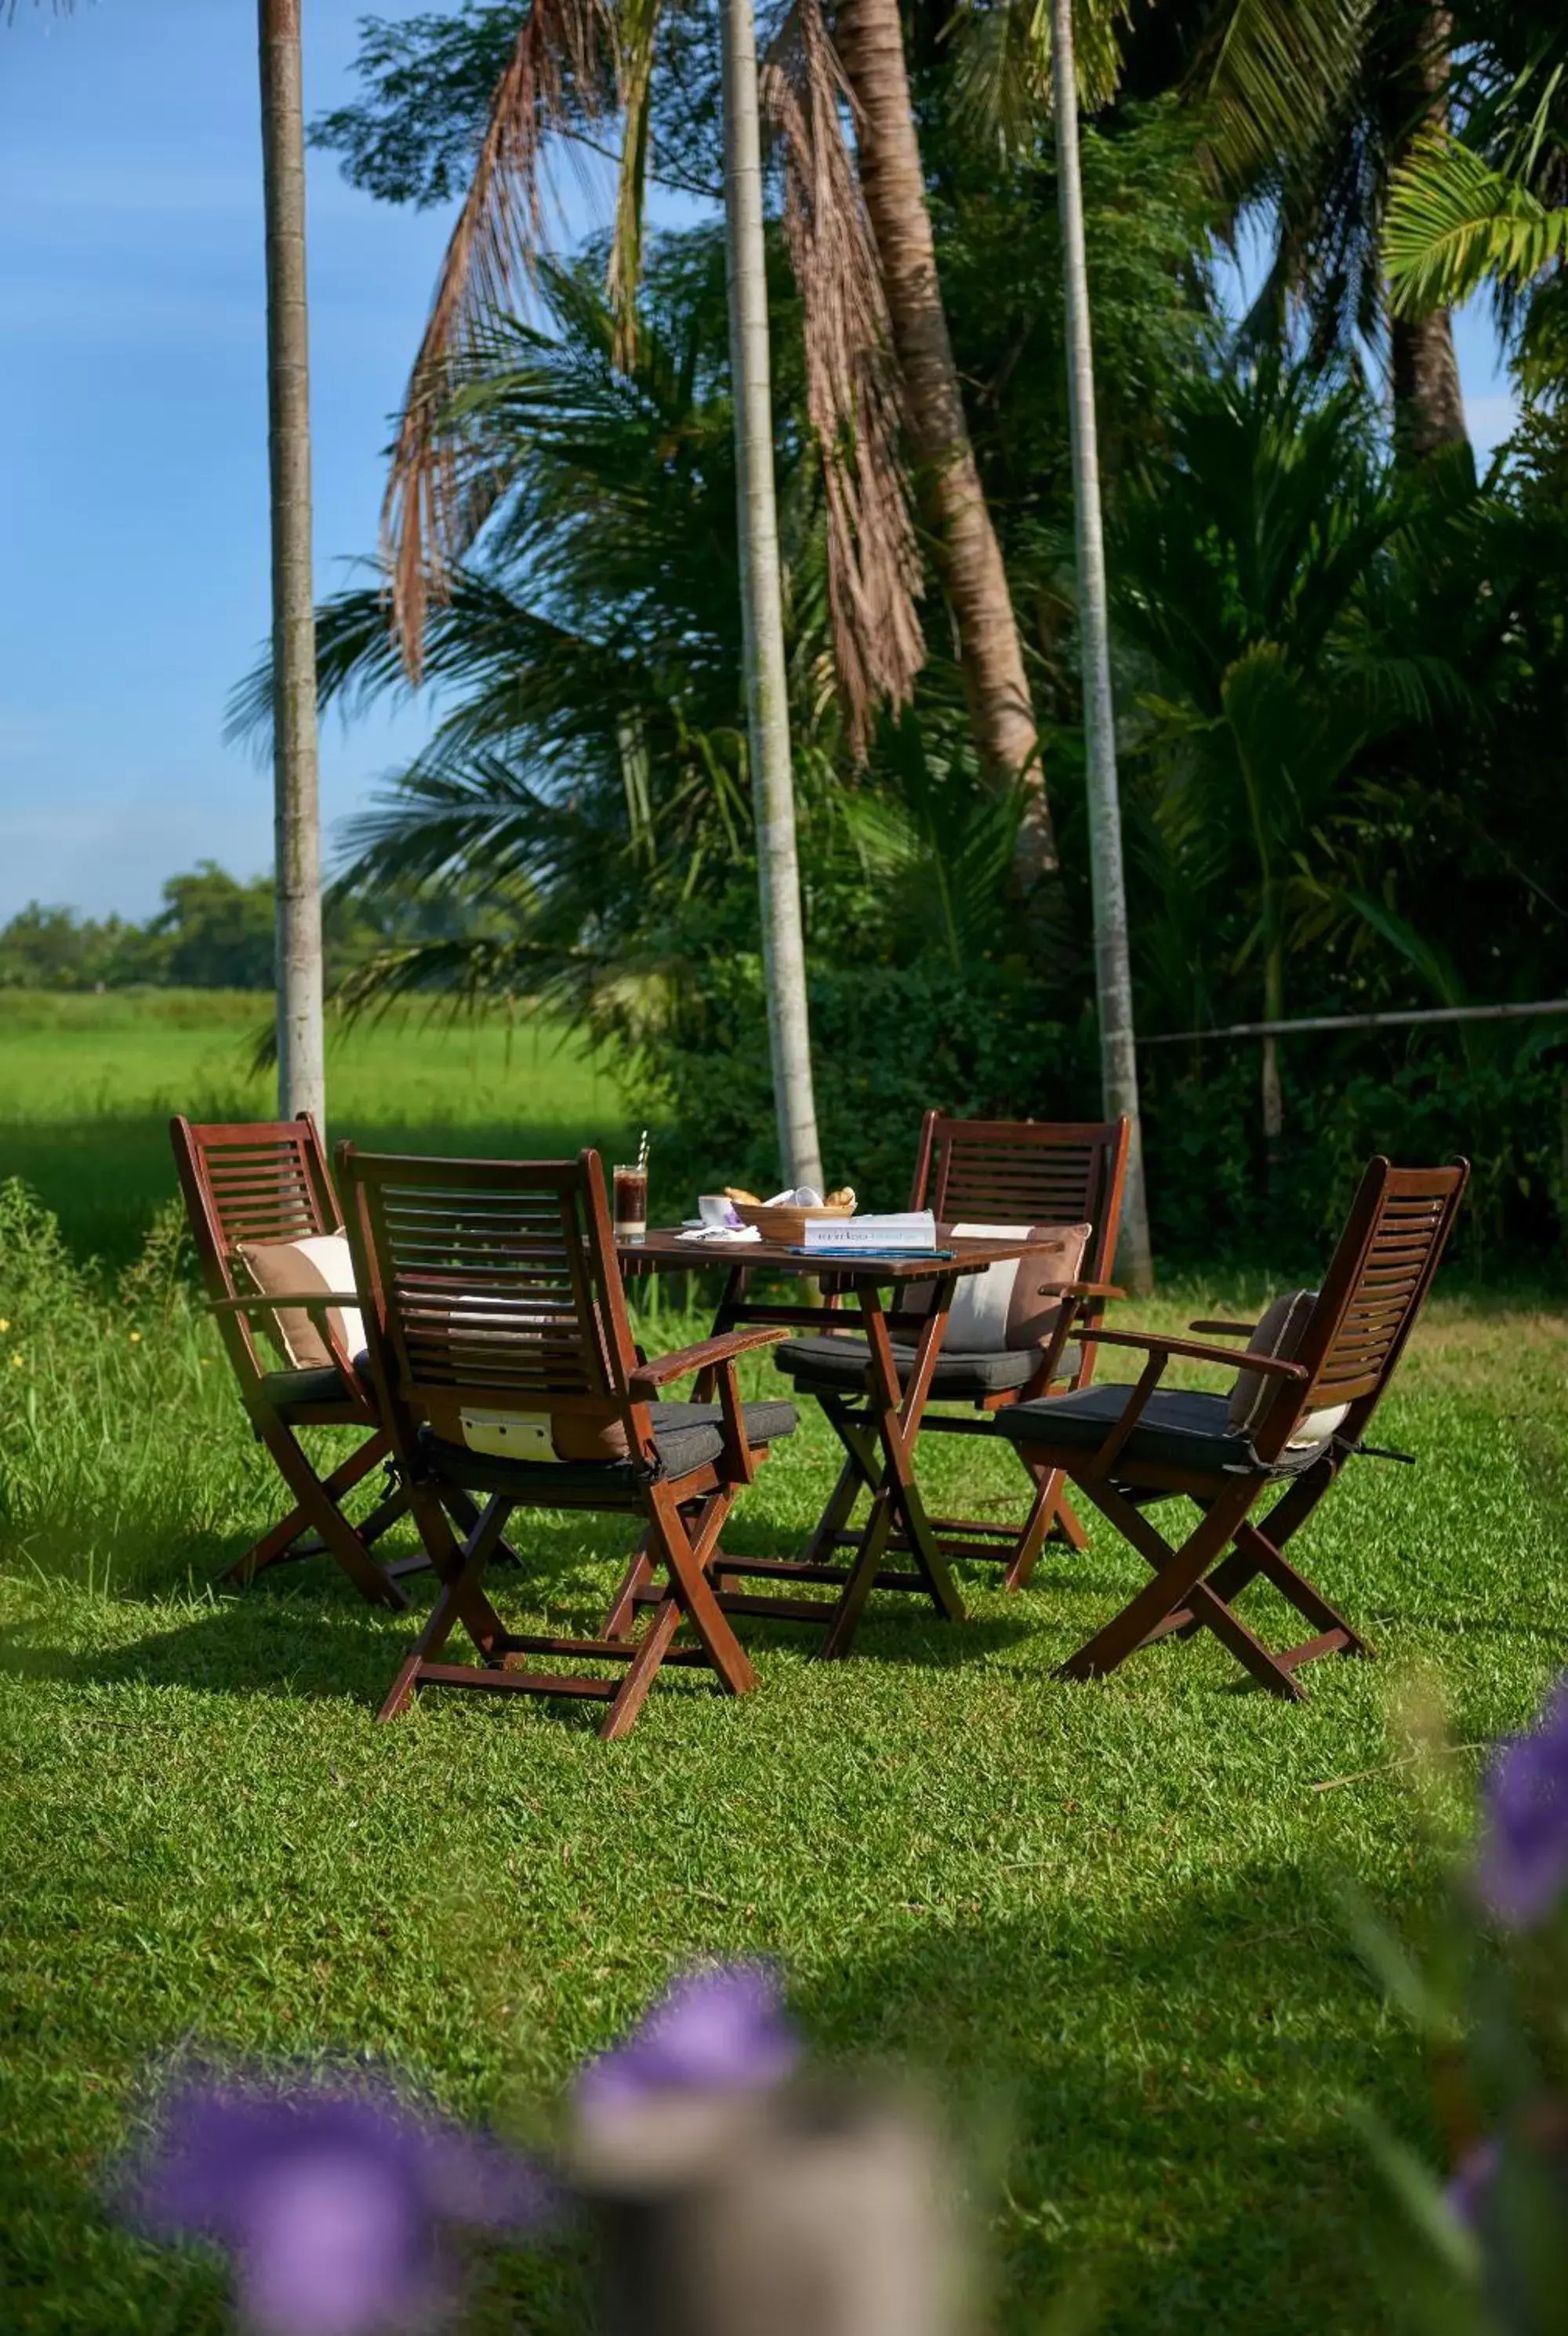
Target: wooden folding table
[[879, 1438]]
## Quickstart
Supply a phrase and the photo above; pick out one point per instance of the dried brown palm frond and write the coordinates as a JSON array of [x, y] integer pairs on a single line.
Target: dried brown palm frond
[[853, 391], [637, 25], [436, 503]]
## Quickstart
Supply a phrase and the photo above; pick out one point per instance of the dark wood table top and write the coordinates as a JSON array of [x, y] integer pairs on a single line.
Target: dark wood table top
[[663, 1246]]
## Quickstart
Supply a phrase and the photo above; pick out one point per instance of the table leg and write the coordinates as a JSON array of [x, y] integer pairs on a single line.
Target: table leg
[[897, 1415]]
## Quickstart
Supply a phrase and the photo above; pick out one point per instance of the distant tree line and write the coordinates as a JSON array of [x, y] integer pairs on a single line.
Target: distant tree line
[[213, 931]]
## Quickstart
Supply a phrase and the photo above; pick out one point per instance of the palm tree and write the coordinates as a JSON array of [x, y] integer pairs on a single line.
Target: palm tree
[[1113, 967], [1491, 203], [762, 607], [571, 61], [301, 1057], [869, 35], [1316, 106], [1243, 574]]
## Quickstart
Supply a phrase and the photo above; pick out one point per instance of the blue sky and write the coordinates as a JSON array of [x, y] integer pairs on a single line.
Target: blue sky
[[133, 415]]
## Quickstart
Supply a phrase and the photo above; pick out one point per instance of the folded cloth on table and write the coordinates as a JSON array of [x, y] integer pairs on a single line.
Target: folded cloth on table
[[720, 1236]]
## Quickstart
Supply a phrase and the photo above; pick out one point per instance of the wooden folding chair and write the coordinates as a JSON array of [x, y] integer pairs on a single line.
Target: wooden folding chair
[[1126, 1447], [505, 1368], [989, 1171], [268, 1181]]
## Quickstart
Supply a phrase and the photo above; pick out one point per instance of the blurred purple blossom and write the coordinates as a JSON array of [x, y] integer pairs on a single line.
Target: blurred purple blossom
[[1522, 1866], [330, 2202], [719, 2029], [1467, 2193]]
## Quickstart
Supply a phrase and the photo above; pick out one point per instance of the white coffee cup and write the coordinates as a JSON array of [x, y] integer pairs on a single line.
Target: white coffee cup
[[715, 1212]]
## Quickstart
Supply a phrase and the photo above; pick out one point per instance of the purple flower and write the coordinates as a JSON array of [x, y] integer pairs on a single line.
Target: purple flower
[[1522, 1865], [721, 2030], [1467, 2194], [330, 2202]]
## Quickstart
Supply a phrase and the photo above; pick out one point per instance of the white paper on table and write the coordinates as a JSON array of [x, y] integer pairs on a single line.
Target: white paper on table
[[912, 1229], [721, 1236]]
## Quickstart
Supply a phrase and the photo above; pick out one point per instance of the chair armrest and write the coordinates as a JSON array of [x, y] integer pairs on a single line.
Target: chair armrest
[[309, 1301], [1152, 1343], [1080, 1289], [1224, 1329], [703, 1356]]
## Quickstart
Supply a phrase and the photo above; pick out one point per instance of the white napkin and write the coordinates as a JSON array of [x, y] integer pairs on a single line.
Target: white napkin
[[722, 1236]]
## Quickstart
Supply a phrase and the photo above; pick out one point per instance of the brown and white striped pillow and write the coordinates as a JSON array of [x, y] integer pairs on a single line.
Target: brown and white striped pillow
[[309, 1267]]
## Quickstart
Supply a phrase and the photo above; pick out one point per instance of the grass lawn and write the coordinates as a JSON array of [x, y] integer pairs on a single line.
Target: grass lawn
[[1103, 1921]]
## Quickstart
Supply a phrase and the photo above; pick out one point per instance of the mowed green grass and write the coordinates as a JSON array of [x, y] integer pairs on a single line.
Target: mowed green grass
[[1104, 1923]]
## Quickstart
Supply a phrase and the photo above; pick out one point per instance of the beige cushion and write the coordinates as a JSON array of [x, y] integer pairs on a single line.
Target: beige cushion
[[1279, 1333], [1000, 1307], [292, 1269]]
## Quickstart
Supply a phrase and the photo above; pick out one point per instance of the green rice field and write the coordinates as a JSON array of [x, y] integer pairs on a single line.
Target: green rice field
[[1104, 1925]]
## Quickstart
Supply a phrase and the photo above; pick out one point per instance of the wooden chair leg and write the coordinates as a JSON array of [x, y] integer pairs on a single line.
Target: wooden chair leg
[[640, 1673], [688, 1571], [1295, 1588], [319, 1508], [460, 1598], [281, 1543], [1049, 1504], [1176, 1571]]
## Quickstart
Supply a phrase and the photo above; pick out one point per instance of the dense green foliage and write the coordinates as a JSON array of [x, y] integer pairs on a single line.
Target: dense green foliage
[[1342, 679]]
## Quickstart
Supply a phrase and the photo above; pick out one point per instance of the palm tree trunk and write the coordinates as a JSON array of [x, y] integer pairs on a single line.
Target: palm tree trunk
[[869, 35], [762, 608], [1428, 403], [1113, 963], [1273, 1099], [301, 1066]]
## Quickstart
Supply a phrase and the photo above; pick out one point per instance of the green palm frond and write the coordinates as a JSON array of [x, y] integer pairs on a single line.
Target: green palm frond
[[1276, 73], [1001, 52], [1453, 221]]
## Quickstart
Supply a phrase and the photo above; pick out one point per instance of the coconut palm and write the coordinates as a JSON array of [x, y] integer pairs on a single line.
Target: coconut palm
[[1314, 106], [762, 609], [1491, 203], [1244, 574], [301, 1052], [880, 364], [1113, 963], [584, 792]]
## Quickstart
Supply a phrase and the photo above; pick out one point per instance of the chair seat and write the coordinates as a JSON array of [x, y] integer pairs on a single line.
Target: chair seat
[[687, 1436], [289, 1389], [1181, 1427], [840, 1365]]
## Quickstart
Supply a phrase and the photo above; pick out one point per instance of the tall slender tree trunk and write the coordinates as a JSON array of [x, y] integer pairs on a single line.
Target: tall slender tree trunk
[[1113, 963], [869, 35], [1428, 403], [301, 1055], [761, 607]]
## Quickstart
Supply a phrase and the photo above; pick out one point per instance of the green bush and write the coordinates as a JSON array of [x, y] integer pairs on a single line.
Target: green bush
[[890, 1044]]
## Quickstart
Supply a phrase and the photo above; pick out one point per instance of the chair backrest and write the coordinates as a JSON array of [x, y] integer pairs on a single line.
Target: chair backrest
[[1035, 1172], [249, 1181], [493, 1287], [1375, 1288]]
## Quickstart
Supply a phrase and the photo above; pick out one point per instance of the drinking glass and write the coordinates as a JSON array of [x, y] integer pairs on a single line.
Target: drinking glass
[[631, 1203]]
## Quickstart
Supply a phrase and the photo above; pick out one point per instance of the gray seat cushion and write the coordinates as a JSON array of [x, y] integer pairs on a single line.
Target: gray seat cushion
[[687, 1435], [286, 1389], [1180, 1427], [838, 1366]]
